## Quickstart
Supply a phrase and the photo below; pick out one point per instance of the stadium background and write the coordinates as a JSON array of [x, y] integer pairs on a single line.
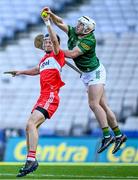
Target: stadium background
[[73, 134]]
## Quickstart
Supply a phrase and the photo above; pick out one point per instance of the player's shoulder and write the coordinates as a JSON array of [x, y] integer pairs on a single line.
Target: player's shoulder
[[61, 51], [60, 54], [89, 39], [71, 30], [87, 42]]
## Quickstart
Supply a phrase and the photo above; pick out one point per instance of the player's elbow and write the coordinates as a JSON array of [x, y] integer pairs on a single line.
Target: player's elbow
[[60, 21], [73, 54]]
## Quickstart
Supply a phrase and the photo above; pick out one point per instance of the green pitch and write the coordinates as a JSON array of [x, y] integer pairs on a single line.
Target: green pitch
[[100, 171]]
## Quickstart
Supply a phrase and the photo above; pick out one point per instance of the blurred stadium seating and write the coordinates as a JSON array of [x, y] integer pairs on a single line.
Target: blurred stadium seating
[[117, 42]]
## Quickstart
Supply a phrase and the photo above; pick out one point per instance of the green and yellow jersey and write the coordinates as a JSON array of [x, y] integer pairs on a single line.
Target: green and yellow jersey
[[88, 61]]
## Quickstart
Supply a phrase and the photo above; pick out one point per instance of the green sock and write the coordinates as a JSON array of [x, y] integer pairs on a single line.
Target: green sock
[[106, 132], [117, 131]]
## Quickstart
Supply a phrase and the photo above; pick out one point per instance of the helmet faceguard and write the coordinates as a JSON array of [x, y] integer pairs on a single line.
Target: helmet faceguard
[[89, 24]]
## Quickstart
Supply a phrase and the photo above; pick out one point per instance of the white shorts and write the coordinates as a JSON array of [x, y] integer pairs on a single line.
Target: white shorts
[[98, 76]]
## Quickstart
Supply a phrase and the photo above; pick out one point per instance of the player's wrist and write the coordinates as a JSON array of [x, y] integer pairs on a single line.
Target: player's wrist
[[47, 23]]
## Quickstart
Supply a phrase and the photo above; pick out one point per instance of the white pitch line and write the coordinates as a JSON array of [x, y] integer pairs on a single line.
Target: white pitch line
[[72, 164], [71, 176]]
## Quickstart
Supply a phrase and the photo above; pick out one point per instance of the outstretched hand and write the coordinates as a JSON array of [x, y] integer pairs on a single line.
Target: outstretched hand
[[47, 11], [13, 73]]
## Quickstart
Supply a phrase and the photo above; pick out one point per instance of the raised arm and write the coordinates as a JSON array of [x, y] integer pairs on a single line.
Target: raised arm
[[32, 72], [73, 53], [82, 48], [52, 35], [58, 21]]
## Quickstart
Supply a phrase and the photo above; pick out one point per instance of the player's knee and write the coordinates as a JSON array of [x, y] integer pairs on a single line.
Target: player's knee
[[104, 106], [93, 105], [26, 128], [29, 126]]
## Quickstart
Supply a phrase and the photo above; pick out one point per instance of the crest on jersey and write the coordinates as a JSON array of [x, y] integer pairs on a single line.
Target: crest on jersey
[[85, 46]]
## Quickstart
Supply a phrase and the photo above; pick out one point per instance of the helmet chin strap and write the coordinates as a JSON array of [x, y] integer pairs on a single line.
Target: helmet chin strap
[[84, 30], [87, 32]]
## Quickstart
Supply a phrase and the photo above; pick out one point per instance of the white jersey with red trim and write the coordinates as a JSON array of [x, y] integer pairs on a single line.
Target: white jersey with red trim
[[50, 67]]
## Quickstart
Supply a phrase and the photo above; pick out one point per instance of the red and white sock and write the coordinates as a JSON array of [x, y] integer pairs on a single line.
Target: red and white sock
[[31, 155]]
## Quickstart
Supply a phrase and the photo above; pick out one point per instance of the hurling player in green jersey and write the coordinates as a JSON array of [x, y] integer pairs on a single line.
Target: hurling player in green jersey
[[81, 45]]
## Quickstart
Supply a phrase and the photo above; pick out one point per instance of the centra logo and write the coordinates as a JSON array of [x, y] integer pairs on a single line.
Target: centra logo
[[56, 153], [62, 152]]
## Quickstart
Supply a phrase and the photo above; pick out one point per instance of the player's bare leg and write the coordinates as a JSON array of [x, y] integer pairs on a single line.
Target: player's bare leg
[[110, 115], [27, 136], [27, 141], [112, 121], [35, 120], [95, 93], [27, 145]]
